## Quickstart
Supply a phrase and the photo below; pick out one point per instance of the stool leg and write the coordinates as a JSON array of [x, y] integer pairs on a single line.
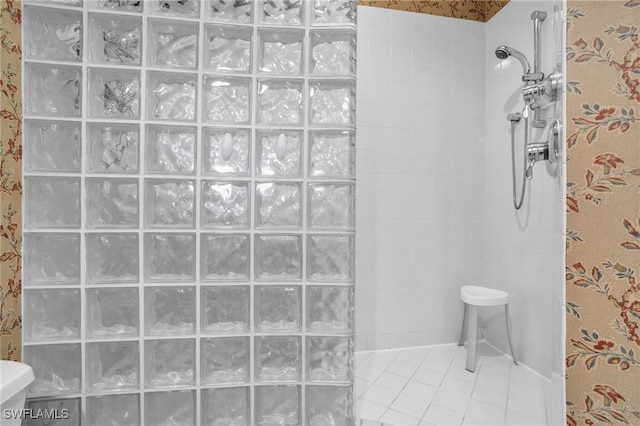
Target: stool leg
[[508, 317], [472, 337], [464, 325]]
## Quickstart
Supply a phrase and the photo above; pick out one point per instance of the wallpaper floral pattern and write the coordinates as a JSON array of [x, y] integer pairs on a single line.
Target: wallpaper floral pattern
[[603, 213], [10, 180], [474, 10]]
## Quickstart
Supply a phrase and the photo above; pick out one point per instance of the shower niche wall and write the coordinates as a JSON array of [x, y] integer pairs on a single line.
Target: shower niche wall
[[189, 210]]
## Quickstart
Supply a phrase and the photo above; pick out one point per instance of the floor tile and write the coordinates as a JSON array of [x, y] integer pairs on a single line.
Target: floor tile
[[518, 419], [429, 386], [429, 377], [380, 360], [368, 373], [490, 395], [369, 410], [395, 418], [391, 381], [402, 368], [419, 390], [499, 383], [485, 414], [359, 387], [412, 406], [413, 356], [442, 417], [380, 395]]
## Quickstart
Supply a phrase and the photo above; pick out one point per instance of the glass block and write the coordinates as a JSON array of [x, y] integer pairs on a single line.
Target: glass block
[[238, 11], [172, 43], [114, 93], [52, 202], [227, 100], [175, 408], [112, 366], [171, 150], [112, 203], [115, 39], [333, 102], [332, 154], [57, 369], [225, 257], [54, 34], [278, 405], [282, 12], [170, 257], [280, 101], [119, 5], [278, 205], [280, 51], [181, 8], [278, 153], [51, 258], [171, 96], [226, 406], [278, 257], [52, 146], [329, 405], [330, 309], [330, 359], [169, 310], [333, 52], [112, 258], [226, 152], [225, 360], [53, 90], [70, 405], [278, 309], [51, 314], [112, 312], [278, 358], [122, 410], [169, 203], [169, 362], [228, 48], [113, 148], [225, 309], [333, 12], [331, 205], [225, 204], [330, 258]]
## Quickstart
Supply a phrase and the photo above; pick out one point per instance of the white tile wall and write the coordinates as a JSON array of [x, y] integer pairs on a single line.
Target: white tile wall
[[525, 249], [434, 183], [420, 191]]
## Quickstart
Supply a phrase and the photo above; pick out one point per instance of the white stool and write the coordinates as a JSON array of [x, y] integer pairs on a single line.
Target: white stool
[[474, 296]]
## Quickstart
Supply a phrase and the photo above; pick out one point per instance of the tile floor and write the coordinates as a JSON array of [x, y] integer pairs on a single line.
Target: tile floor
[[430, 386]]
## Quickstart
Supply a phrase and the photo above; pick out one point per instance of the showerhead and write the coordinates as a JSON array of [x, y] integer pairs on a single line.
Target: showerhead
[[503, 52]]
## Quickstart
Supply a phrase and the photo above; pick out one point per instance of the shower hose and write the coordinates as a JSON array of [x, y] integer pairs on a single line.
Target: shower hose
[[515, 119]]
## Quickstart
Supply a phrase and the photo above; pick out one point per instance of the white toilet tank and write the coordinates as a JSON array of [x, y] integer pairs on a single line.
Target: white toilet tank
[[14, 379]]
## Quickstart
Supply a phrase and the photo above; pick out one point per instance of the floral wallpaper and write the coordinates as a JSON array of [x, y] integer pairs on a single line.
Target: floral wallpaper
[[474, 10], [10, 180], [603, 212]]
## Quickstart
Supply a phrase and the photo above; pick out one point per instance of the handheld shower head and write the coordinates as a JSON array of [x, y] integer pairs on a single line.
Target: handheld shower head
[[503, 52]]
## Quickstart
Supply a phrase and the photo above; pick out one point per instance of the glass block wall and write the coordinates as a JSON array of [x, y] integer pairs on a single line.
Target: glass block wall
[[189, 210]]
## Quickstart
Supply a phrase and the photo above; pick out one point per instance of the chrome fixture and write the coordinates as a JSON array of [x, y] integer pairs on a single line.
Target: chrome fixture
[[538, 92]]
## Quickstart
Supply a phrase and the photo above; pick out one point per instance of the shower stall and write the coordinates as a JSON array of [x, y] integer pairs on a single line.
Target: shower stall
[[189, 210], [435, 209]]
